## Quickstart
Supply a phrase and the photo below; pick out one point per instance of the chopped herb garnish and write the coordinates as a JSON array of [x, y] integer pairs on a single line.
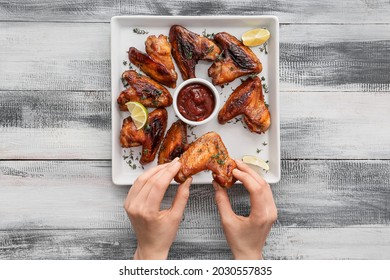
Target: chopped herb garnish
[[145, 151], [205, 34], [220, 56], [210, 49], [215, 156], [231, 68], [265, 87], [264, 143], [124, 62], [258, 151], [188, 55], [252, 76], [221, 162], [139, 31], [266, 104], [124, 82], [262, 78], [155, 103], [264, 48]]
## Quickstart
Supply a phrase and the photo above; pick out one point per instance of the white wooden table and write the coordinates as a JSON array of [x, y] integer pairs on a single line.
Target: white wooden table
[[57, 200]]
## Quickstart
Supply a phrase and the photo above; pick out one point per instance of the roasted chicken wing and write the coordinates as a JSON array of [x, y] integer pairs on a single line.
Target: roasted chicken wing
[[150, 136], [174, 143], [157, 62], [237, 60], [188, 48], [143, 90], [247, 99], [208, 152]]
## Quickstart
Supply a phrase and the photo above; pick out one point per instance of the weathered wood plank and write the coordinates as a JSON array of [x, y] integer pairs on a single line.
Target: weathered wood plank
[[76, 125], [75, 56], [57, 124], [324, 58], [289, 11], [348, 125], [80, 194], [282, 243]]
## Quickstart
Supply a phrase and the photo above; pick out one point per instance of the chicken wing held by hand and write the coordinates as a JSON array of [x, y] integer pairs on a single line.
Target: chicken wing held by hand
[[157, 62], [247, 99], [207, 152], [143, 90], [174, 143], [150, 136], [238, 60], [188, 48]]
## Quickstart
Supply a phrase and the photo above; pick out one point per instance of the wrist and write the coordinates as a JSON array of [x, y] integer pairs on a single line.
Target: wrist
[[149, 255], [248, 255]]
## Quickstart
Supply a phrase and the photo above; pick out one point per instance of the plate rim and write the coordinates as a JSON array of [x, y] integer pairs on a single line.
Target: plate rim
[[119, 180]]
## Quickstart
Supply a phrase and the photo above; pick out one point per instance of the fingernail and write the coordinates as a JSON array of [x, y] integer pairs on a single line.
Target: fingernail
[[175, 159]]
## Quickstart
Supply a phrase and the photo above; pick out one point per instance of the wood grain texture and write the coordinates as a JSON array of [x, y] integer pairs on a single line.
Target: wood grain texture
[[334, 125], [282, 243], [75, 56], [80, 195], [288, 11], [77, 125], [55, 124]]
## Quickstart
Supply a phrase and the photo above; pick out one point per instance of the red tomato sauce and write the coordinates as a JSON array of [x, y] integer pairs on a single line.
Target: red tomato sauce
[[195, 102]]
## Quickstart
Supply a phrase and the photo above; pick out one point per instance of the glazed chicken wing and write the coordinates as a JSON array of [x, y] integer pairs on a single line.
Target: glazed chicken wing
[[157, 62], [143, 90], [208, 152], [247, 99], [174, 143], [188, 48], [150, 136], [238, 60]]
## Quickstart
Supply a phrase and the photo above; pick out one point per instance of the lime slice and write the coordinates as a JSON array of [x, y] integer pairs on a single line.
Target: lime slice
[[138, 113], [255, 37], [256, 161]]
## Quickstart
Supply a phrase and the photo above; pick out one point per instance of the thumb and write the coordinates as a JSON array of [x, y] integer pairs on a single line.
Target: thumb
[[223, 203], [181, 198]]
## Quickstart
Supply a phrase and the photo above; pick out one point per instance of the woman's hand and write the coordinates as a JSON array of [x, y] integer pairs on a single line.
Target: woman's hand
[[246, 235], [156, 230]]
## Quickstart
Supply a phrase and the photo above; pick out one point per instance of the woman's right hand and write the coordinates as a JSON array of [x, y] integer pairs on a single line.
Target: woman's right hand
[[246, 235]]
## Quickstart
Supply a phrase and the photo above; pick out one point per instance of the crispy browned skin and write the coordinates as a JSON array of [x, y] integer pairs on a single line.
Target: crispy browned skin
[[143, 90], [188, 48], [157, 62], [238, 60], [174, 143], [208, 152], [150, 136], [247, 99]]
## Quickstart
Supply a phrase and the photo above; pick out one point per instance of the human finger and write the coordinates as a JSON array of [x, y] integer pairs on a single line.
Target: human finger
[[143, 178], [181, 197], [157, 185], [223, 203], [244, 167], [256, 192]]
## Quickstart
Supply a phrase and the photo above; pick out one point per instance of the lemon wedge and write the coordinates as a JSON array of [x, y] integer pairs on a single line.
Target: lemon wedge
[[255, 37], [138, 113], [256, 161]]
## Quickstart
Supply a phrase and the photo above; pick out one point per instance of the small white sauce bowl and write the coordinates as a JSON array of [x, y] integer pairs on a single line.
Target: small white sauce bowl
[[197, 81]]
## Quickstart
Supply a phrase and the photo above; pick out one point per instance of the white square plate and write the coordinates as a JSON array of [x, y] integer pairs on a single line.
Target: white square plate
[[238, 140]]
